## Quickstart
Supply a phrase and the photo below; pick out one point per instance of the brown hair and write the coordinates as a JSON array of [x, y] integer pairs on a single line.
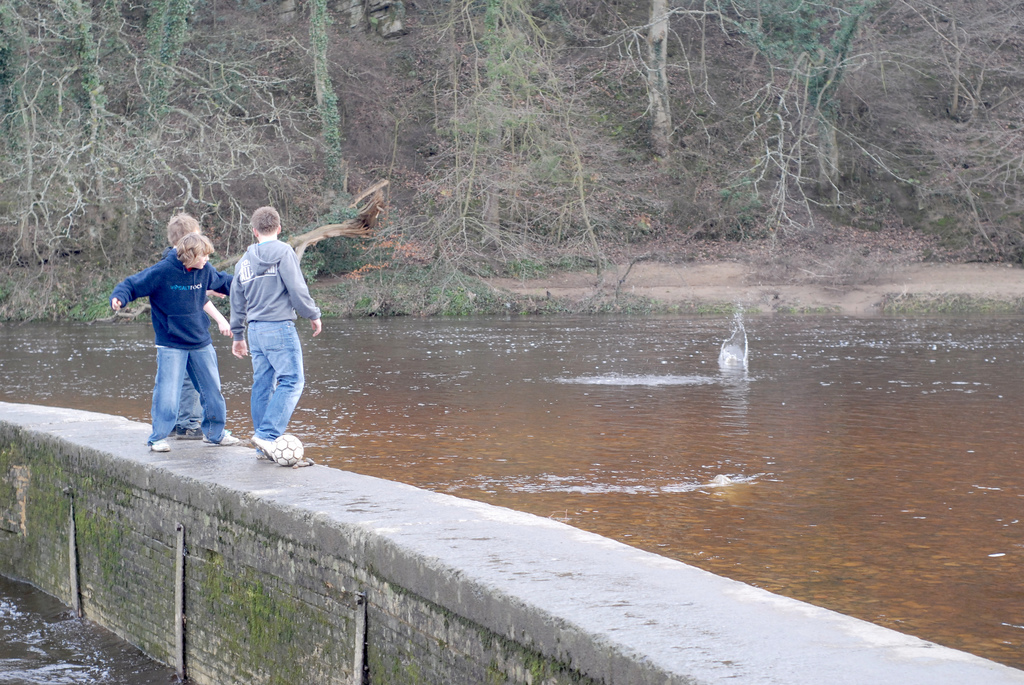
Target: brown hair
[[180, 226], [265, 220], [193, 246]]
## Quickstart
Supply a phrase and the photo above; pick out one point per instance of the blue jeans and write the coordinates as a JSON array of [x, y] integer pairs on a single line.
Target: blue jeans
[[277, 376], [190, 411], [171, 367]]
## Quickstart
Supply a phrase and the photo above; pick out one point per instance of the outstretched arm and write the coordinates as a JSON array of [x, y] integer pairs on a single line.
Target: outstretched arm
[[222, 324], [134, 287]]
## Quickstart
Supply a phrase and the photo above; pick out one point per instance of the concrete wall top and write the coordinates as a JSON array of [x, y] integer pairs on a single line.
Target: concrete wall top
[[546, 584]]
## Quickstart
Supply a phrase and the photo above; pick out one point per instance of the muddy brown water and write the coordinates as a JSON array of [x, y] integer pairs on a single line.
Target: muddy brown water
[[874, 465]]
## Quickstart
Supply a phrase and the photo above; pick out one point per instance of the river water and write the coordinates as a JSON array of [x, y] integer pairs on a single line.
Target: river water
[[872, 466], [43, 642]]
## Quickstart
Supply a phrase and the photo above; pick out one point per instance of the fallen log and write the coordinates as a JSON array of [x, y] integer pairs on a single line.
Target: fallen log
[[361, 226]]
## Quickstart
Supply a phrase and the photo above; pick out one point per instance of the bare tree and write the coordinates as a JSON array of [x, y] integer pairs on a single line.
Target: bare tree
[[950, 93], [796, 114], [120, 135], [515, 170]]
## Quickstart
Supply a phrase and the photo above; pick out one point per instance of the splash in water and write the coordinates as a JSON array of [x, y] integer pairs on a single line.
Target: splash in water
[[734, 350]]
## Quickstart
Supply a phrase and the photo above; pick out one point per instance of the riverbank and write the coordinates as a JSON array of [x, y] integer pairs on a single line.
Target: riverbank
[[888, 289], [839, 270], [849, 272]]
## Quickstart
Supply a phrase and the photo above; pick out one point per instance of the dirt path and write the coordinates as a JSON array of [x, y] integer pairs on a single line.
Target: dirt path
[[738, 283]]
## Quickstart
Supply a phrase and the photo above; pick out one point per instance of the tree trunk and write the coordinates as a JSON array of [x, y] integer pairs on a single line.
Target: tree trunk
[[25, 245], [327, 99], [657, 80], [828, 159], [491, 219]]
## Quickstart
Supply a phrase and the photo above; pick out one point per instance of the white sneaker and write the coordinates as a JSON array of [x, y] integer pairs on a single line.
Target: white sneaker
[[266, 446], [260, 454], [226, 441], [159, 446]]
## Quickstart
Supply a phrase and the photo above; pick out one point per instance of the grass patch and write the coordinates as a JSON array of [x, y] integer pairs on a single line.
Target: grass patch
[[918, 305], [708, 309], [411, 291], [79, 295], [820, 309]]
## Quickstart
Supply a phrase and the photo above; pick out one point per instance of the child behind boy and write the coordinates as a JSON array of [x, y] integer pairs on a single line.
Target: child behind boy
[[190, 413], [176, 287]]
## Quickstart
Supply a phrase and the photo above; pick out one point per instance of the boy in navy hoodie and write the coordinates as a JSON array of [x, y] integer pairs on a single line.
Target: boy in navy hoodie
[[190, 411], [176, 287]]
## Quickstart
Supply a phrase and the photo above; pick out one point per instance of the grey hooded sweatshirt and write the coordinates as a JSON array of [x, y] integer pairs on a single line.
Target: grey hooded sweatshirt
[[269, 286]]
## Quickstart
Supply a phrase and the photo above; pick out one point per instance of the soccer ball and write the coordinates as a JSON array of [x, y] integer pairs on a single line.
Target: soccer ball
[[288, 450]]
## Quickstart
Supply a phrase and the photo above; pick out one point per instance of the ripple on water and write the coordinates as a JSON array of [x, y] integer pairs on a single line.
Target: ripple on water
[[581, 485], [647, 379]]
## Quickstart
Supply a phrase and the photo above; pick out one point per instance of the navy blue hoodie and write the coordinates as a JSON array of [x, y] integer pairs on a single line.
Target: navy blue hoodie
[[176, 298]]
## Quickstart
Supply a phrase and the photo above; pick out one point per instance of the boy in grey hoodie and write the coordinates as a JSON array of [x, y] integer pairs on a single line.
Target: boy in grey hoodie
[[267, 293]]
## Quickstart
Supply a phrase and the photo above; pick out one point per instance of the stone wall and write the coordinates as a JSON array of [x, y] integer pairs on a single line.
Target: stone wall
[[272, 593], [321, 576]]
